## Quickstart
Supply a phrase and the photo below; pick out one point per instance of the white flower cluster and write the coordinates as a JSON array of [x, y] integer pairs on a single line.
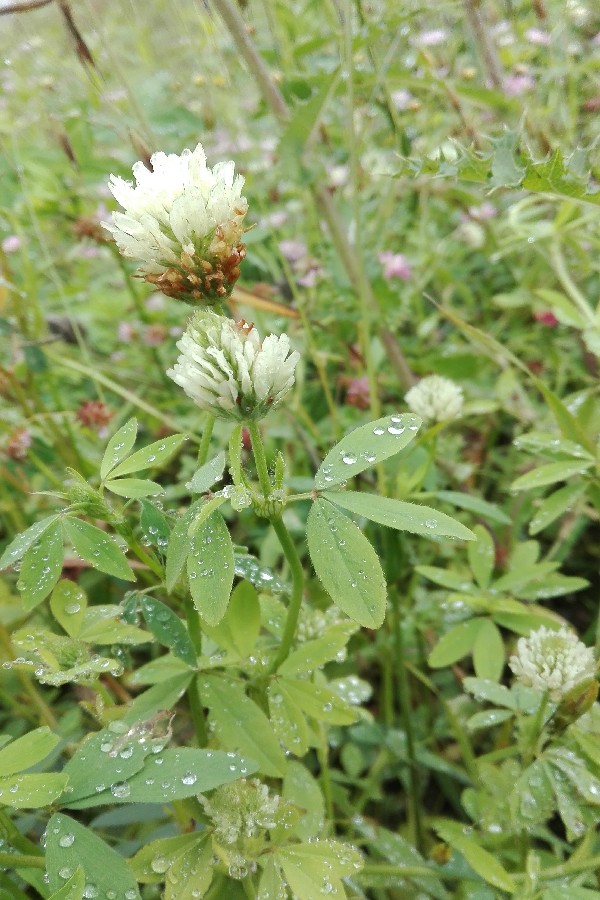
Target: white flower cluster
[[435, 399], [183, 221], [241, 809], [554, 661], [226, 370]]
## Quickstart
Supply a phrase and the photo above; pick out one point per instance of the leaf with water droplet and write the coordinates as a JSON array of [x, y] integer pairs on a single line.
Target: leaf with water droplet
[[133, 488], [73, 889], [93, 765], [315, 869], [206, 475], [550, 473], [191, 874], [97, 548], [143, 864], [346, 564], [366, 446], [210, 568], [403, 516], [32, 791], [318, 702], [27, 750], [455, 644], [118, 447], [241, 724], [154, 525], [486, 865], [68, 604], [555, 505], [103, 867], [179, 545], [168, 629], [482, 556], [311, 655], [41, 567], [21, 544], [153, 456], [288, 720]]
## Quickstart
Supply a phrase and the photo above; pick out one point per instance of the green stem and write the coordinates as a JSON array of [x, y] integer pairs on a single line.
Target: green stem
[[560, 267], [404, 697], [297, 573], [248, 886], [260, 459], [21, 861], [205, 442], [401, 871], [235, 455], [193, 695], [323, 757]]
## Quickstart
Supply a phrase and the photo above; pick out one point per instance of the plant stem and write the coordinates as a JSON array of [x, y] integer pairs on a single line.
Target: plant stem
[[404, 698], [205, 441], [485, 47], [560, 267], [260, 459], [323, 756], [21, 861], [291, 555]]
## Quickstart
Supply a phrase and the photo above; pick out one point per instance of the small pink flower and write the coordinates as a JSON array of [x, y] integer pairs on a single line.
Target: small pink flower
[[154, 335], [401, 99], [357, 393], [546, 317], [19, 443], [126, 332], [310, 278], [11, 244], [293, 251], [538, 36], [515, 85], [484, 212], [432, 38], [395, 265]]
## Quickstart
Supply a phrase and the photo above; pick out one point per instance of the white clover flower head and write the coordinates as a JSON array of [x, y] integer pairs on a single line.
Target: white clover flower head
[[554, 661], [241, 810], [226, 370], [435, 399], [183, 221]]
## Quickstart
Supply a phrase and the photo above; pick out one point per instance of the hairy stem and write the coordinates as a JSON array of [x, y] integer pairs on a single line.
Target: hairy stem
[[260, 459]]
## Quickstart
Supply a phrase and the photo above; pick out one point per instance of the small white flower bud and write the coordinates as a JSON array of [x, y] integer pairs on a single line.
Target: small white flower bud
[[435, 399], [183, 221], [226, 370], [554, 661]]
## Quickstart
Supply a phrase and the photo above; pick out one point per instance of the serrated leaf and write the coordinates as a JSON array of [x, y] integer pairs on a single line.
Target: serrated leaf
[[210, 568], [318, 702], [70, 845], [455, 644], [366, 446], [346, 564], [241, 724], [32, 791], [488, 652], [487, 866], [73, 889], [555, 506], [97, 548], [21, 544], [68, 604], [549, 473], [167, 850], [118, 447], [482, 556], [133, 488], [179, 546], [400, 515], [288, 720], [41, 567], [168, 629], [206, 475], [153, 456], [191, 874], [313, 654]]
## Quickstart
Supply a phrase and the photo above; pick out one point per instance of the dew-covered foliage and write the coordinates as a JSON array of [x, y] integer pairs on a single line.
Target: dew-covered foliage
[[299, 429]]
